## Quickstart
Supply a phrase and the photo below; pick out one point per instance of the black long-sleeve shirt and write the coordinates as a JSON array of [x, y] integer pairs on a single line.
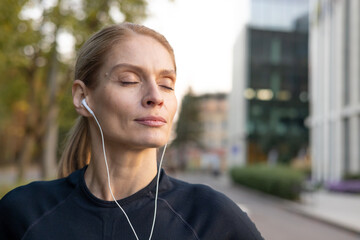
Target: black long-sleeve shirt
[[66, 209]]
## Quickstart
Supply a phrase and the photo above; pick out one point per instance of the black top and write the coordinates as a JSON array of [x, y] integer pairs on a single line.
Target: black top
[[66, 209]]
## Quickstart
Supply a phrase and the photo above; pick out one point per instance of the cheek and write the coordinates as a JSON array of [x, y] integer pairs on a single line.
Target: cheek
[[122, 101], [172, 107], [124, 107]]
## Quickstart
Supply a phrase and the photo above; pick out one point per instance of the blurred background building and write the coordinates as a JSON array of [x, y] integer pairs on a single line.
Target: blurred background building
[[213, 119], [335, 87], [269, 100], [201, 132]]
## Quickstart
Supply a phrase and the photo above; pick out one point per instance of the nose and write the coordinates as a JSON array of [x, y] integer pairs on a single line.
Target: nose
[[153, 96]]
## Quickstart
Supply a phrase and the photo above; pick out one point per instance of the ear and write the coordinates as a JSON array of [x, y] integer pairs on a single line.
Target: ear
[[79, 92]]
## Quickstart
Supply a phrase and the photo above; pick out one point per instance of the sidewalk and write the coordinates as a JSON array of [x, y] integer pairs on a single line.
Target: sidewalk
[[282, 219], [338, 209]]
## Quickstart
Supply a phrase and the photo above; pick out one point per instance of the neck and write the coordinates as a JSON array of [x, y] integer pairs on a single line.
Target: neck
[[129, 171]]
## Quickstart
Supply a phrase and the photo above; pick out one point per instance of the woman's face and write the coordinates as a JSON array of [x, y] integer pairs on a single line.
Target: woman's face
[[134, 99]]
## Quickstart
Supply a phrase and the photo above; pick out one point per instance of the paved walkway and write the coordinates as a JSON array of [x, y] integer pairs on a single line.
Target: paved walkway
[[339, 209], [335, 209]]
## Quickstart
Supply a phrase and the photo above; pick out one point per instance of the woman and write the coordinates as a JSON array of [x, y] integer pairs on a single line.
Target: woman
[[124, 93]]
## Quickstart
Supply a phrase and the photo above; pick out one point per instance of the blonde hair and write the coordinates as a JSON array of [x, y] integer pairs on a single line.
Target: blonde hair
[[91, 56]]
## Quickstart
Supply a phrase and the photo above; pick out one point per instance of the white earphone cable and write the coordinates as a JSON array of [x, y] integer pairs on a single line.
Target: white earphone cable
[[157, 191], [108, 177]]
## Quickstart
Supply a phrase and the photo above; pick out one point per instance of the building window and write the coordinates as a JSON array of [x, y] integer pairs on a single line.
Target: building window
[[358, 142], [346, 148], [347, 55], [275, 51], [358, 72], [331, 155], [275, 82]]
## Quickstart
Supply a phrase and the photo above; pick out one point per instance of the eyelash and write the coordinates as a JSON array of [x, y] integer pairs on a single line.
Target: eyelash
[[166, 87], [129, 83]]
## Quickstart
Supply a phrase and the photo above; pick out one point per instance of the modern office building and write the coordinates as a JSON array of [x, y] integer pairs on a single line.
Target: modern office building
[[277, 14], [334, 88], [269, 99]]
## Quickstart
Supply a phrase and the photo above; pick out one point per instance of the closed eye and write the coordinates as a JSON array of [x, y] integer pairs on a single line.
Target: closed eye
[[167, 87], [129, 83], [166, 83]]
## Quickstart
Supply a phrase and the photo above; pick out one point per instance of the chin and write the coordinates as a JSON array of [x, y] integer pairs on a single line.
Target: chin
[[152, 142]]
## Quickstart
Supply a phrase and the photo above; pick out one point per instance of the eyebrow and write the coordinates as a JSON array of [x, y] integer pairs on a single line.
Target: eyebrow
[[168, 72], [139, 69]]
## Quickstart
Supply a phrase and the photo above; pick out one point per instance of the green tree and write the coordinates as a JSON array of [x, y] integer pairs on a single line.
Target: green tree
[[188, 129], [36, 75]]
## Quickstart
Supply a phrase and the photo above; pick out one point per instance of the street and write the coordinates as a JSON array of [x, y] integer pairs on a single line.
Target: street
[[270, 216]]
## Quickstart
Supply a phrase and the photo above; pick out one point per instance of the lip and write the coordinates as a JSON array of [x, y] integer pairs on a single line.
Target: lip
[[151, 121]]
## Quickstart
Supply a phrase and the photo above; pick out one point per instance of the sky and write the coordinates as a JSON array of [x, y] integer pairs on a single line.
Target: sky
[[203, 34]]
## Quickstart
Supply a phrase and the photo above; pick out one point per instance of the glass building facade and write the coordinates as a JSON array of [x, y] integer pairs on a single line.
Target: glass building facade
[[277, 14], [278, 77], [270, 84]]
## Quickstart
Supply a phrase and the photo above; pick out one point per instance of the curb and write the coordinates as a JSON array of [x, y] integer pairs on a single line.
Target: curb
[[294, 208]]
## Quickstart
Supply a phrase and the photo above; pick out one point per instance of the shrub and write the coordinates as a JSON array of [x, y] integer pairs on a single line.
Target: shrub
[[352, 176], [280, 181]]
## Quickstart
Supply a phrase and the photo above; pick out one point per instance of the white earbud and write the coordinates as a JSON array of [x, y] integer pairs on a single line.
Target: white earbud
[[83, 102]]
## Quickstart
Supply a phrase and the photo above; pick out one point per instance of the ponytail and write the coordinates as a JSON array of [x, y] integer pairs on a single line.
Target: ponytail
[[76, 153]]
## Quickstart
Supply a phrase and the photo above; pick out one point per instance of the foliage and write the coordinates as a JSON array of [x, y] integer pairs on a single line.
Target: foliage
[[36, 74], [352, 176], [187, 129], [280, 181]]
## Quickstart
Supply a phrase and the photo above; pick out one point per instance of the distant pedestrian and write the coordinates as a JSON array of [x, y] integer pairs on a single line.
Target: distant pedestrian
[[273, 156], [111, 186]]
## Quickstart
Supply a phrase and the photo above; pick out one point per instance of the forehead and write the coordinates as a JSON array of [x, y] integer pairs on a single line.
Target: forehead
[[142, 51]]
